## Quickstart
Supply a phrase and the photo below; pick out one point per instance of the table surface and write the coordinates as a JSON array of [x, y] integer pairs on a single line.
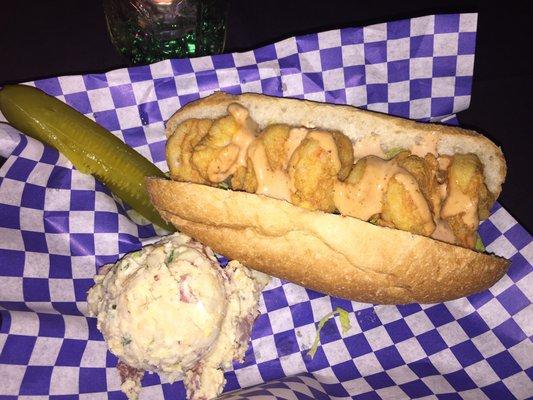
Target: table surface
[[58, 37]]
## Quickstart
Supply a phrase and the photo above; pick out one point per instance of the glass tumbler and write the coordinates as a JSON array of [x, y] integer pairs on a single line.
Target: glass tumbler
[[146, 31]]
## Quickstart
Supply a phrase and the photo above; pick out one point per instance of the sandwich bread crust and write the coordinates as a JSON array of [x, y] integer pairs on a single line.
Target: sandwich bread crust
[[337, 255]]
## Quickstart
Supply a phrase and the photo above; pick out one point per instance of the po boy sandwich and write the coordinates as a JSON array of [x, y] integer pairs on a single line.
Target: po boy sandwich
[[349, 202]]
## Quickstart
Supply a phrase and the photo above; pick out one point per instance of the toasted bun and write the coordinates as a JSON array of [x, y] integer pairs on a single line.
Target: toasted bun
[[393, 132], [338, 255]]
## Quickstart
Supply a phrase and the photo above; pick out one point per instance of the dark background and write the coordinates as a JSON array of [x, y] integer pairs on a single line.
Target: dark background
[[48, 38]]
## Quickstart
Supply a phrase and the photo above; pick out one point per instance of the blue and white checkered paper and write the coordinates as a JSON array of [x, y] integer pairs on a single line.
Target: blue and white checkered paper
[[57, 226]]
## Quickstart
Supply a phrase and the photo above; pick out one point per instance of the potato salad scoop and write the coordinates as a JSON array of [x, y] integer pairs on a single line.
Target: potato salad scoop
[[170, 308]]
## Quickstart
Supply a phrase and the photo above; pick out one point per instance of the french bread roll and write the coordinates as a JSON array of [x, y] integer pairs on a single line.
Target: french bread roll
[[338, 255]]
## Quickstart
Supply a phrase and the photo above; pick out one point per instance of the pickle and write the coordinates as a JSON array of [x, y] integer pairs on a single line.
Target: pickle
[[91, 148]]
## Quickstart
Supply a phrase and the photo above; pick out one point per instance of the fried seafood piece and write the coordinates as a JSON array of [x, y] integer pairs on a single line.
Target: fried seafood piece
[[180, 148], [318, 162], [357, 171], [486, 201], [361, 194], [244, 178], [273, 141], [216, 153], [345, 152], [405, 207], [424, 170], [468, 198], [385, 193]]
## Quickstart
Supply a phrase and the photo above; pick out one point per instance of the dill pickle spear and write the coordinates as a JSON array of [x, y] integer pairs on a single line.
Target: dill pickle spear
[[91, 148]]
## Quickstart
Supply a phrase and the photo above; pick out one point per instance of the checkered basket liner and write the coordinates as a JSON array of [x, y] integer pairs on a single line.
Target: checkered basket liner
[[57, 226]]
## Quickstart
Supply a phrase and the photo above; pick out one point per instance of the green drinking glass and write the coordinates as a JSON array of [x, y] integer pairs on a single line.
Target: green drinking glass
[[146, 31]]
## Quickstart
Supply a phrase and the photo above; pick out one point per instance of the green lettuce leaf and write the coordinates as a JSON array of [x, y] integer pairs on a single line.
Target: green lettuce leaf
[[224, 185], [393, 152], [479, 244], [345, 326]]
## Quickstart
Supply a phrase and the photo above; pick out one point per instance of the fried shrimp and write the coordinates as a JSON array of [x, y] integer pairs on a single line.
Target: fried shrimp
[[273, 140], [181, 146], [244, 178], [384, 192], [215, 154], [424, 170], [486, 201], [312, 175], [468, 199], [224, 149], [406, 209], [345, 151], [315, 166]]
